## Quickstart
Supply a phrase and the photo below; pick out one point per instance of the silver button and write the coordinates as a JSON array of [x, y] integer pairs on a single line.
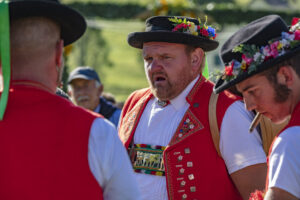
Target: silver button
[[187, 151], [191, 177], [180, 158], [182, 183], [193, 188], [189, 164], [184, 196], [181, 171]]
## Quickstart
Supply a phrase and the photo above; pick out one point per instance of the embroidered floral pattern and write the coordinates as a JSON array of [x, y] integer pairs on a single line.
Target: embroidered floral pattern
[[185, 26], [252, 56]]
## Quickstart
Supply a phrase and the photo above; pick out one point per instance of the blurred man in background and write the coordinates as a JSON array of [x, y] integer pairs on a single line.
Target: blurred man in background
[[86, 90]]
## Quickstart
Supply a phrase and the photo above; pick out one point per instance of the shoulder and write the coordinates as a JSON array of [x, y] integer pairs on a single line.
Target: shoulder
[[140, 93], [287, 141], [136, 96], [284, 162]]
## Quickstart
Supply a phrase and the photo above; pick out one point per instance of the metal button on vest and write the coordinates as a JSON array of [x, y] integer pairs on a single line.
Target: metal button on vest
[[191, 177], [182, 183], [181, 171], [180, 158], [189, 164], [193, 188], [187, 150], [184, 196]]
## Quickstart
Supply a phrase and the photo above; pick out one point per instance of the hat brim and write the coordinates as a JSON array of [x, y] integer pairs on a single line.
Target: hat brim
[[222, 85], [80, 76], [71, 22], [137, 39]]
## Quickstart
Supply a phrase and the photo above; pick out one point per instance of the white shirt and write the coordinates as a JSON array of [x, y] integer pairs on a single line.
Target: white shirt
[[239, 148], [109, 162], [284, 163]]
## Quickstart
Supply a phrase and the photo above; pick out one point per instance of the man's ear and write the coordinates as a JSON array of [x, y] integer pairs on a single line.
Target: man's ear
[[59, 59], [197, 57], [285, 75], [100, 90]]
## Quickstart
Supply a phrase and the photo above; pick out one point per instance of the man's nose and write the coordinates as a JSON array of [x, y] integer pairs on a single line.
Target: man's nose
[[249, 103], [155, 65]]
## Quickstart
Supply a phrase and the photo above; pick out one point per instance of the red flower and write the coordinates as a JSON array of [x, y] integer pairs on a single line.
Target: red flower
[[295, 20], [297, 35], [204, 32], [229, 70], [257, 195]]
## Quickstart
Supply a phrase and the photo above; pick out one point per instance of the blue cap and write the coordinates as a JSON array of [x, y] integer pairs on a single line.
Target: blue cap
[[86, 73]]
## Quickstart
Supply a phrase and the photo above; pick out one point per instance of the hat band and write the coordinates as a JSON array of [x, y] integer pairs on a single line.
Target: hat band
[[156, 28]]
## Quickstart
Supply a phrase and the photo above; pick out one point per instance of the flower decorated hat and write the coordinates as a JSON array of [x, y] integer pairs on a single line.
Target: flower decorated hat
[[182, 30], [256, 47]]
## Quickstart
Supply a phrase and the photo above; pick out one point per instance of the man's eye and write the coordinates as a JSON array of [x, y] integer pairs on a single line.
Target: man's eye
[[148, 59]]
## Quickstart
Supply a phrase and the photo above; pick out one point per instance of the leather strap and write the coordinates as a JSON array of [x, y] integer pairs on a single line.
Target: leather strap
[[213, 123], [269, 131]]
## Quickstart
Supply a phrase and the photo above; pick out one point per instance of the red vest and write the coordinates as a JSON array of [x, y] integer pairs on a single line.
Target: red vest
[[44, 148], [191, 148], [294, 121]]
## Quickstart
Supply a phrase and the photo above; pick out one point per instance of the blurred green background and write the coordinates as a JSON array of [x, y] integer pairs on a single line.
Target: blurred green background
[[104, 45]]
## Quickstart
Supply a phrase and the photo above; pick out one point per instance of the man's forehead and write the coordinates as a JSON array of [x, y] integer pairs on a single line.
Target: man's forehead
[[161, 45], [250, 82]]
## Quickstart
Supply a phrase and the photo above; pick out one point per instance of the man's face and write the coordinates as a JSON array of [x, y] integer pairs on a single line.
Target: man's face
[[168, 68], [259, 94], [85, 93]]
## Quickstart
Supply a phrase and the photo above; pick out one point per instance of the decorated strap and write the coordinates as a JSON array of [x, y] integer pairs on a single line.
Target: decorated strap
[[148, 159], [4, 54]]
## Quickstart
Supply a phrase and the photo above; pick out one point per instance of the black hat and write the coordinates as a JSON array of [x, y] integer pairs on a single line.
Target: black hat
[[175, 30], [256, 47], [86, 73], [71, 22]]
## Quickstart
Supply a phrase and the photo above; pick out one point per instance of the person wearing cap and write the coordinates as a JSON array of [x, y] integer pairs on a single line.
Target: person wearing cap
[[49, 148], [86, 90], [262, 60], [166, 127]]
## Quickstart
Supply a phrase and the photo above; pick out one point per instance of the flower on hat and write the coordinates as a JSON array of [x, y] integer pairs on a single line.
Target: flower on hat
[[189, 27], [252, 56], [257, 195]]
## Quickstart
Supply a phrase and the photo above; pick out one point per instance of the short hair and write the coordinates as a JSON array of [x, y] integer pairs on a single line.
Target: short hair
[[189, 49]]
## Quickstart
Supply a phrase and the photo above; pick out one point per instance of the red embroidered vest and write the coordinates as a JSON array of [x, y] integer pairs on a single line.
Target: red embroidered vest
[[44, 148], [192, 166], [294, 121]]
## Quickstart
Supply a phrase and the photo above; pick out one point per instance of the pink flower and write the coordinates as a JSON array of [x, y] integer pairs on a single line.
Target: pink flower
[[246, 59], [274, 50], [297, 35]]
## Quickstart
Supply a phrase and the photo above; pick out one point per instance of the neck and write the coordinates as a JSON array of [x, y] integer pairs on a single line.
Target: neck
[[31, 83]]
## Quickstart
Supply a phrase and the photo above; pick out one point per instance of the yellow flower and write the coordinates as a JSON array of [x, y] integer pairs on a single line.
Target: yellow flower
[[279, 46], [243, 66]]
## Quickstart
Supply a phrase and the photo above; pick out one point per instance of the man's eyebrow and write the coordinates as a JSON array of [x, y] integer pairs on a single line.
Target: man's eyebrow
[[247, 88]]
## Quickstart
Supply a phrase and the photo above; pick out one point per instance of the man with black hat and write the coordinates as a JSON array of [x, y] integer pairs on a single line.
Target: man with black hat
[[166, 127], [49, 148], [262, 59], [86, 90]]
